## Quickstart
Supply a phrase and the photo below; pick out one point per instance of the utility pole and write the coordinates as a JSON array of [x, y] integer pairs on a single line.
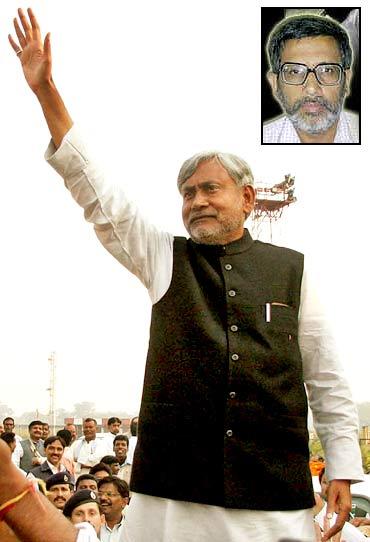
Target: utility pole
[[51, 390]]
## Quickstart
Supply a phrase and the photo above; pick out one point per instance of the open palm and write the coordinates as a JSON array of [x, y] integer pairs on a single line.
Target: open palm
[[34, 54]]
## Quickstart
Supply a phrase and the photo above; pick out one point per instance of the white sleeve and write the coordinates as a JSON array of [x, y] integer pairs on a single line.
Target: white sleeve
[[136, 244], [86, 533], [334, 412]]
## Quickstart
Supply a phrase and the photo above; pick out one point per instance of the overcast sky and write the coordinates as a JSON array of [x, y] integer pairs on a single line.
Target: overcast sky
[[149, 84]]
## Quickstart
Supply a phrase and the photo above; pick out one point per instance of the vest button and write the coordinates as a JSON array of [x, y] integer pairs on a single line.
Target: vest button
[[232, 395], [228, 267], [235, 357], [234, 328], [229, 433], [232, 293]]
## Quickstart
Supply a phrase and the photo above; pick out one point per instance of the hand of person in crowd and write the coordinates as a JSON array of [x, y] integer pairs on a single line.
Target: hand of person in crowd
[[34, 54], [339, 501], [35, 57], [36, 461], [357, 522]]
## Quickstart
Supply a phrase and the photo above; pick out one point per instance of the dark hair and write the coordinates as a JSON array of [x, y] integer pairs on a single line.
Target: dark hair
[[52, 439], [8, 437], [66, 436], [109, 460], [90, 420], [120, 437], [113, 419], [100, 466], [120, 485], [133, 426], [85, 477], [8, 418], [35, 422], [306, 26]]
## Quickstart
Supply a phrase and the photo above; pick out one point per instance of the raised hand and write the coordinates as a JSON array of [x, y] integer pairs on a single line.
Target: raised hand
[[34, 54]]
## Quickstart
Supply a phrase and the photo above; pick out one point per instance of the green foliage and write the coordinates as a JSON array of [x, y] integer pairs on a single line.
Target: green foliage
[[315, 447], [365, 452]]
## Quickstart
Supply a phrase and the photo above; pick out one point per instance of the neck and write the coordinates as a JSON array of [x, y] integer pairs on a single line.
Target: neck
[[113, 520], [326, 137], [89, 438]]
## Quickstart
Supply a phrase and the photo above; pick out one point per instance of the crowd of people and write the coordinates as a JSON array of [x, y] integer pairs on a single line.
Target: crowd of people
[[86, 478]]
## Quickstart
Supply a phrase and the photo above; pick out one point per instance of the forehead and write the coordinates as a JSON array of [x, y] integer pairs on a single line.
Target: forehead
[[36, 427], [107, 487], [87, 507], [55, 443], [209, 170], [89, 424], [311, 51], [64, 487]]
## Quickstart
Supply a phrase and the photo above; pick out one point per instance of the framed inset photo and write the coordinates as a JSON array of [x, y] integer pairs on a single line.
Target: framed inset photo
[[311, 79]]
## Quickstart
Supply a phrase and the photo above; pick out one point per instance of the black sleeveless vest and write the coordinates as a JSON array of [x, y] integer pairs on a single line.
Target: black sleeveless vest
[[224, 410]]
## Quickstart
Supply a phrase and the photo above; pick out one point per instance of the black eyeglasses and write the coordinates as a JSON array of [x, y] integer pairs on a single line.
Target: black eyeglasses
[[294, 73]]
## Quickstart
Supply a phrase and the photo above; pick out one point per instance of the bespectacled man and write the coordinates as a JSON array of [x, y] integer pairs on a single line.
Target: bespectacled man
[[310, 74]]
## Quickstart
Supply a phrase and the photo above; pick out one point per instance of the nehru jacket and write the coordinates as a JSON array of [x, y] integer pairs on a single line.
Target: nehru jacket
[[223, 393]]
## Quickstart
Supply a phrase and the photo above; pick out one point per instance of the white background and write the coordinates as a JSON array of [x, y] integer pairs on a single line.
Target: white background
[[150, 83]]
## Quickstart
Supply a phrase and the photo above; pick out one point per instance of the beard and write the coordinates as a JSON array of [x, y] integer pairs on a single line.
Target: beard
[[215, 235], [313, 122]]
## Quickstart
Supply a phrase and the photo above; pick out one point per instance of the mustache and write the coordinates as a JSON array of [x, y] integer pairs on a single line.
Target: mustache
[[314, 100], [197, 216]]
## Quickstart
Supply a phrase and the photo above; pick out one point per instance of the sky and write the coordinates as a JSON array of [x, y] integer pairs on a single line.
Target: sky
[[149, 84]]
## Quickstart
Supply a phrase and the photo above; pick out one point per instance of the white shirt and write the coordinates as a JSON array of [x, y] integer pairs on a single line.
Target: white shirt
[[281, 130], [147, 253], [87, 453], [86, 532], [349, 533], [112, 535]]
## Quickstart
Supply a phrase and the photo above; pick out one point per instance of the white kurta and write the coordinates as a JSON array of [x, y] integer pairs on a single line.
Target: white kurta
[[147, 253]]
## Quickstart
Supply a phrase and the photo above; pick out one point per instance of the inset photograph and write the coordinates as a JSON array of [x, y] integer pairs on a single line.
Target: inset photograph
[[311, 80]]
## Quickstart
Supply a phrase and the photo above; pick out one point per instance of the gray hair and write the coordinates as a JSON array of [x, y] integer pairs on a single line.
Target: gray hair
[[237, 168]]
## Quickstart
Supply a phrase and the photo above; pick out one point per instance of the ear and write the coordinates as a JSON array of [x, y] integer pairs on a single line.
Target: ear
[[272, 79], [348, 74], [249, 194]]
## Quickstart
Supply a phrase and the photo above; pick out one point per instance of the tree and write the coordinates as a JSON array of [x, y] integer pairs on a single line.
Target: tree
[[86, 409]]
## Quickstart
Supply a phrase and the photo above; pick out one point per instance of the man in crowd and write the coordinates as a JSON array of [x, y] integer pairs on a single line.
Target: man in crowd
[[121, 448], [45, 430], [113, 426], [54, 448], [72, 429], [133, 439], [9, 426], [112, 462], [310, 75], [33, 452], [235, 335], [60, 488], [87, 481], [114, 497], [84, 506], [100, 470], [87, 450]]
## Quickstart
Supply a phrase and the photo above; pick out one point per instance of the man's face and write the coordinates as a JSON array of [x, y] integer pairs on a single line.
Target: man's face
[[88, 484], [88, 512], [313, 108], [120, 450], [111, 501], [54, 452], [8, 426], [89, 430], [114, 468], [114, 428], [214, 208], [59, 494], [72, 429], [35, 432], [45, 431]]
